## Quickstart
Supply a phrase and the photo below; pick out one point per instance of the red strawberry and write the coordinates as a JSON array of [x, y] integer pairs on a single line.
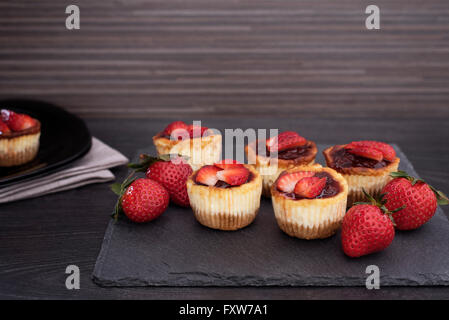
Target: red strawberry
[[387, 151], [4, 128], [417, 199], [207, 175], [228, 163], [285, 140], [177, 129], [366, 229], [310, 187], [367, 152], [17, 121], [287, 181], [173, 176], [144, 200], [234, 176]]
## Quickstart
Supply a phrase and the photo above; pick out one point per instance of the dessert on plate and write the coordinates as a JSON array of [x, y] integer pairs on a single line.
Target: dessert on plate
[[19, 138], [200, 144], [309, 202], [364, 164], [226, 195], [271, 157]]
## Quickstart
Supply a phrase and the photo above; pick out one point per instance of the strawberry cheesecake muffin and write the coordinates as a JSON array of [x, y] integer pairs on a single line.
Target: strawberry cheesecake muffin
[[201, 145], [226, 195], [271, 157], [365, 165], [309, 202], [19, 138]]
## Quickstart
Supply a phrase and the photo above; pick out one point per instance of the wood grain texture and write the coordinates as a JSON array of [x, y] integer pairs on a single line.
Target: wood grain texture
[[154, 58], [40, 237]]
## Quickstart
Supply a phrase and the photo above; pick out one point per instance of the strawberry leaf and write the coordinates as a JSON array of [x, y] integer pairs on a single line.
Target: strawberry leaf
[[116, 188], [442, 199], [119, 189]]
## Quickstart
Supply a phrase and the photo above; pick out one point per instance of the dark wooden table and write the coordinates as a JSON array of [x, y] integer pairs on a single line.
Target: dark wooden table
[[40, 237], [135, 65]]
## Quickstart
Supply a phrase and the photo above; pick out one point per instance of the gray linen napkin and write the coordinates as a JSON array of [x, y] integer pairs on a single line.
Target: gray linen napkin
[[91, 168]]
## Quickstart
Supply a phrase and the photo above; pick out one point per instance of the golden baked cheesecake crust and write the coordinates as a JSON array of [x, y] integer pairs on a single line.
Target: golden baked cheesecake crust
[[270, 168], [18, 146], [229, 208], [314, 218], [360, 173]]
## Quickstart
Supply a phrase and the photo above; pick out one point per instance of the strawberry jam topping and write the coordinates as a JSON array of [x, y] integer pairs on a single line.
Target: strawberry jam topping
[[288, 154], [331, 188], [342, 158]]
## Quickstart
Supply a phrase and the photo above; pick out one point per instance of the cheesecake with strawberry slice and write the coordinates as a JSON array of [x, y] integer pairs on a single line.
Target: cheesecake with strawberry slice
[[309, 202], [19, 138], [365, 165], [225, 195], [200, 145], [286, 150]]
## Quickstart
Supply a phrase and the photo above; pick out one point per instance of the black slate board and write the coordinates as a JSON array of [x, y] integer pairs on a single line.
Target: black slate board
[[175, 250]]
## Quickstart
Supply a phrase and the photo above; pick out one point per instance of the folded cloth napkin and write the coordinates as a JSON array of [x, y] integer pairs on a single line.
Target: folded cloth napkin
[[91, 168]]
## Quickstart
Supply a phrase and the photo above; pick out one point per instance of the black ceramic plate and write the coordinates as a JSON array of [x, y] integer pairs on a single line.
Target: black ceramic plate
[[64, 138]]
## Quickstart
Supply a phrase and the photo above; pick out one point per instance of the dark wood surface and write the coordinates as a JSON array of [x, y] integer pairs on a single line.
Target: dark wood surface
[[40, 237], [134, 58], [310, 63]]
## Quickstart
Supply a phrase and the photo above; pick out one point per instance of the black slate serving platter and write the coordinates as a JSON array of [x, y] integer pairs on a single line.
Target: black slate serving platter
[[64, 138], [175, 250]]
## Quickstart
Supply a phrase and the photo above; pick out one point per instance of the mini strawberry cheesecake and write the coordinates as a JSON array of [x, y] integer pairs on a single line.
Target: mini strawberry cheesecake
[[19, 138], [365, 165], [226, 195], [271, 157], [200, 144], [309, 202]]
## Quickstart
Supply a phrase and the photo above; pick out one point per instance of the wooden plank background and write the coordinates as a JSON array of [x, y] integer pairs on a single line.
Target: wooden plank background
[[160, 58]]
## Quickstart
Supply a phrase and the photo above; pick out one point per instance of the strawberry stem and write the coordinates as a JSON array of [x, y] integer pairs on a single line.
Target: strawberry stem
[[442, 199], [380, 203], [119, 189]]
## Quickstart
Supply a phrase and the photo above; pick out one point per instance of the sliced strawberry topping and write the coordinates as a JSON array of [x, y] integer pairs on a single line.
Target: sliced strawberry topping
[[17, 121], [234, 176], [4, 128], [310, 187], [196, 131], [387, 151], [285, 140], [228, 164], [176, 128], [286, 182], [367, 152], [207, 175]]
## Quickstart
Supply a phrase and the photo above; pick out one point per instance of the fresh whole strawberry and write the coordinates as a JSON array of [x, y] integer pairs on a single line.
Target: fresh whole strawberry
[[4, 128], [285, 140], [287, 181], [234, 176], [367, 147], [141, 200], [310, 187], [417, 199], [172, 171], [366, 229], [173, 176], [17, 121]]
